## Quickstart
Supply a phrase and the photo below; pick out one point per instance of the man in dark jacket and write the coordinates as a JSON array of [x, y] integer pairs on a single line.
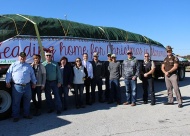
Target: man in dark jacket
[[98, 73]]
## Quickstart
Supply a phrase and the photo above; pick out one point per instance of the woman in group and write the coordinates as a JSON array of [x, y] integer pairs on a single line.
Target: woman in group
[[80, 74], [40, 73], [67, 78]]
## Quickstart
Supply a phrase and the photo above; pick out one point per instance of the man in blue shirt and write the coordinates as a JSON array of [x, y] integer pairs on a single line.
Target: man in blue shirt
[[19, 76]]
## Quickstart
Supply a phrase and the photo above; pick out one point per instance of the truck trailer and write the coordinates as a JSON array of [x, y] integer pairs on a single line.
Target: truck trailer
[[33, 34]]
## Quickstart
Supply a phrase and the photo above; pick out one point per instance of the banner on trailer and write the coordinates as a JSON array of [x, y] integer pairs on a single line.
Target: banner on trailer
[[73, 48]]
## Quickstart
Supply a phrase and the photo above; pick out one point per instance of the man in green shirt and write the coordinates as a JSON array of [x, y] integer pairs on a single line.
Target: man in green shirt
[[53, 82]]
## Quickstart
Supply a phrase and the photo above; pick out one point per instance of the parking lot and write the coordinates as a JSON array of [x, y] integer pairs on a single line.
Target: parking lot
[[102, 119]]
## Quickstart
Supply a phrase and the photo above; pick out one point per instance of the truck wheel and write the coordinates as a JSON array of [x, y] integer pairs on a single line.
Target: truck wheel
[[181, 73], [5, 104]]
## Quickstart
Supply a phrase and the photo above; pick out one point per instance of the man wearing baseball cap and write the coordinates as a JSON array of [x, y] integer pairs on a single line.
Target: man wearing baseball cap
[[130, 73], [169, 68], [21, 74], [98, 74], [114, 69]]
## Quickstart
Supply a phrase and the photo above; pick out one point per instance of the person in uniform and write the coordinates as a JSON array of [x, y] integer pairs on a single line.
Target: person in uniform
[[148, 68], [169, 68]]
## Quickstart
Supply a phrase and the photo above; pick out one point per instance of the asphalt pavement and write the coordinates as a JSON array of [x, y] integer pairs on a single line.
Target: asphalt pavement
[[102, 119]]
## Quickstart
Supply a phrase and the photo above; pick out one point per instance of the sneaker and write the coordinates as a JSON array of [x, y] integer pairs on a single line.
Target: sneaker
[[180, 105], [169, 103], [15, 119], [133, 104]]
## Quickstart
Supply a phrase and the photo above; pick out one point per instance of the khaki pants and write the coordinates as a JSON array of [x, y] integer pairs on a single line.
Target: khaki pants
[[172, 83]]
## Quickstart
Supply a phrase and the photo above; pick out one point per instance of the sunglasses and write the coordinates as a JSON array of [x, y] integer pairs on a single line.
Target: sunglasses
[[48, 55], [146, 56], [129, 53]]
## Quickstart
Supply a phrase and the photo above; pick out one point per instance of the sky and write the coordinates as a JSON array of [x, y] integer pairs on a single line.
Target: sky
[[165, 21]]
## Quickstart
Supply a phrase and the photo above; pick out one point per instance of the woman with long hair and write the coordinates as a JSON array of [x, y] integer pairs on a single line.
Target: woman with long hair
[[67, 78], [80, 74]]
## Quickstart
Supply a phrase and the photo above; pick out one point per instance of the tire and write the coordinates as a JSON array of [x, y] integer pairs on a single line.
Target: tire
[[5, 104], [181, 73]]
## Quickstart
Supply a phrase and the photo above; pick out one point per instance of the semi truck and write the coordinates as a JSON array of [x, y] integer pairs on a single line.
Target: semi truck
[[33, 35]]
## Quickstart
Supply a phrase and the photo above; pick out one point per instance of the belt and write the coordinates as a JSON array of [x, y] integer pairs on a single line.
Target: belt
[[21, 84]]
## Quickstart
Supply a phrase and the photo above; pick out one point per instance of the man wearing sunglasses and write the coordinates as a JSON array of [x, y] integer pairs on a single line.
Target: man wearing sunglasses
[[98, 74], [53, 82], [148, 68], [169, 68], [130, 72]]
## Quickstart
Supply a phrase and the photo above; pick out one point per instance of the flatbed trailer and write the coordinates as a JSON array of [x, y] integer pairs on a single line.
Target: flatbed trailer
[[33, 35]]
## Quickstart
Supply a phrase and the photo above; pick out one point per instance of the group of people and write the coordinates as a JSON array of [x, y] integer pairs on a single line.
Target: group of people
[[28, 81]]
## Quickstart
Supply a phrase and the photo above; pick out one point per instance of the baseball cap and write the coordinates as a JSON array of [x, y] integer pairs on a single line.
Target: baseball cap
[[129, 51], [95, 54], [109, 54], [113, 56], [22, 54]]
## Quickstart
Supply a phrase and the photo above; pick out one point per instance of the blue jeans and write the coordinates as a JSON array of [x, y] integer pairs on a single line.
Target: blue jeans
[[131, 90], [49, 87], [115, 90], [19, 92], [65, 91], [79, 94]]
